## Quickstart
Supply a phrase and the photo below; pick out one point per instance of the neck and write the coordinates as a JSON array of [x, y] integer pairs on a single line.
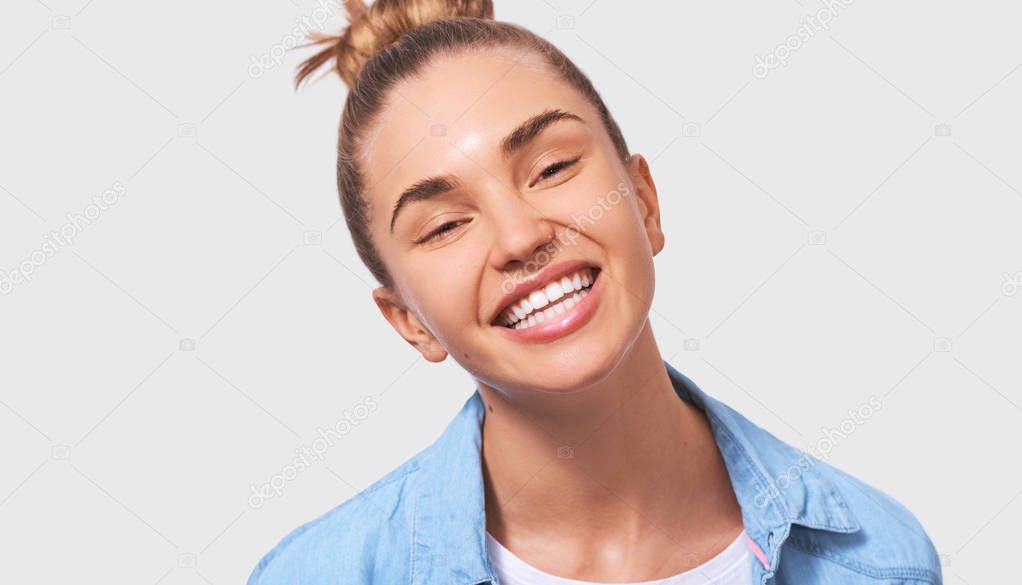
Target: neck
[[610, 474]]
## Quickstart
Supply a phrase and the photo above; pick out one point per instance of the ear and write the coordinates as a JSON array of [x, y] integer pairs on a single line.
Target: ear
[[408, 325], [649, 202]]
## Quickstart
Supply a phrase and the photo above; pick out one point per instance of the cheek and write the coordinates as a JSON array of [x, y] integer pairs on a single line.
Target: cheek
[[443, 286], [601, 209]]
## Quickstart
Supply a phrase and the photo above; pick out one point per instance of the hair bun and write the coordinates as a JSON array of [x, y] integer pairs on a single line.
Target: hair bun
[[373, 28]]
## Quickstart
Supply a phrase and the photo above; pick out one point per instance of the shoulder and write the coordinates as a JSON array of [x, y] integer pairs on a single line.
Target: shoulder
[[890, 543], [841, 526], [351, 539]]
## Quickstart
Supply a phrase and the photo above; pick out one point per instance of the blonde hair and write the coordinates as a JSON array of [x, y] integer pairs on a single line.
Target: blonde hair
[[390, 40]]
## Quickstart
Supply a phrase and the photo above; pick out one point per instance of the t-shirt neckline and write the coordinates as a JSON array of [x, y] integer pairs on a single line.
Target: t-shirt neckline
[[720, 565]]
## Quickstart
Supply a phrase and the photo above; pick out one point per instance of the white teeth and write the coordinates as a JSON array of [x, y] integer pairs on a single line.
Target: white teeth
[[554, 291], [538, 299], [558, 296], [518, 311]]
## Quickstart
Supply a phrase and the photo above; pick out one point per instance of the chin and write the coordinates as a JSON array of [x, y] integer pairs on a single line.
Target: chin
[[559, 369]]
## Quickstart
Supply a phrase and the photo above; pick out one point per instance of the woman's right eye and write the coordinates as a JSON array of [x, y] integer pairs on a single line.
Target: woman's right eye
[[441, 232]]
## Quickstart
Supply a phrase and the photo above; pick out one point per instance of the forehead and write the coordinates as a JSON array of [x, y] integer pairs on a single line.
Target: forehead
[[457, 107]]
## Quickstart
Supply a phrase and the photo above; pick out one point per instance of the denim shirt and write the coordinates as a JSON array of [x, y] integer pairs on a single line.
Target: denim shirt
[[424, 523]]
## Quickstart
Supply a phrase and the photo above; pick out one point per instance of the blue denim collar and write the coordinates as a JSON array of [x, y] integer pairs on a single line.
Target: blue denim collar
[[776, 486]]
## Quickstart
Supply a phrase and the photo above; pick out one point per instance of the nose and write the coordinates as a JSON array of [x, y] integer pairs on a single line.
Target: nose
[[521, 233]]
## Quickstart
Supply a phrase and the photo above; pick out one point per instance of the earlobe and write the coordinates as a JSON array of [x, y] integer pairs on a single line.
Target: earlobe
[[407, 325], [649, 202]]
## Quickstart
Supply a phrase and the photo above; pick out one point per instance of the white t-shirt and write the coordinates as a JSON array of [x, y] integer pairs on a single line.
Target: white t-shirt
[[731, 567]]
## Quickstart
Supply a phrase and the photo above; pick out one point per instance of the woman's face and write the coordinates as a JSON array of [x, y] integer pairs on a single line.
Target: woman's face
[[488, 179]]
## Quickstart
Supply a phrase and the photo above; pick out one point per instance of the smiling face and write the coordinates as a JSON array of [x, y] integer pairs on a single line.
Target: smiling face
[[517, 239]]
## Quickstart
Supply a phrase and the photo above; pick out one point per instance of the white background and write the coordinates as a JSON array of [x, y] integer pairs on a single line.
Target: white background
[[825, 245]]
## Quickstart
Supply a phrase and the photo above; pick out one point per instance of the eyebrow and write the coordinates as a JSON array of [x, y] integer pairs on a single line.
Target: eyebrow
[[515, 141]]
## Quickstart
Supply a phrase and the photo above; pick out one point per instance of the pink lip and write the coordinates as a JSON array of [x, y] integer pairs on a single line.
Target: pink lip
[[527, 285], [563, 324]]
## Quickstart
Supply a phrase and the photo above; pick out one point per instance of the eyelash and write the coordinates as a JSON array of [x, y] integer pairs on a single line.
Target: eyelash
[[560, 166], [440, 231], [449, 225]]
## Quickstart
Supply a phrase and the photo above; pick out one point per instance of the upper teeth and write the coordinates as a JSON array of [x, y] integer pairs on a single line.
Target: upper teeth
[[529, 310]]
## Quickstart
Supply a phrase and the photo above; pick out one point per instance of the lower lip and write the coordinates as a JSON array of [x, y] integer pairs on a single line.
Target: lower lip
[[562, 324]]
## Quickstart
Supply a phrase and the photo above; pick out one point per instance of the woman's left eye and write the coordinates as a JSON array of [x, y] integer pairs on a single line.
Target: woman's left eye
[[555, 168]]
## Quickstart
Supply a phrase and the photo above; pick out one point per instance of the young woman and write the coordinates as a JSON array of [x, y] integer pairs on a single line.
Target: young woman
[[491, 193]]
